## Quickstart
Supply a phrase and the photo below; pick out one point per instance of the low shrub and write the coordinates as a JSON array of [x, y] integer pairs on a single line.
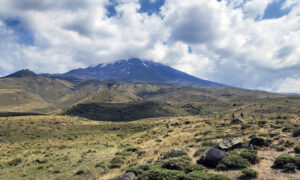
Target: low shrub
[[250, 155], [250, 173], [221, 167], [141, 153], [116, 162], [131, 149], [283, 159], [205, 176], [289, 168], [161, 174], [262, 123], [279, 148], [287, 129], [176, 164], [137, 170], [101, 165], [233, 161], [289, 143], [297, 149], [195, 167], [296, 132], [14, 162], [174, 153], [297, 161]]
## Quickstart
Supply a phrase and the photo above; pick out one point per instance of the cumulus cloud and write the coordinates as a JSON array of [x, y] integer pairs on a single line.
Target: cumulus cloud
[[230, 41]]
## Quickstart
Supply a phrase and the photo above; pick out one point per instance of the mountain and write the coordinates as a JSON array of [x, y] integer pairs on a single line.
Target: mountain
[[27, 92], [23, 73], [137, 71]]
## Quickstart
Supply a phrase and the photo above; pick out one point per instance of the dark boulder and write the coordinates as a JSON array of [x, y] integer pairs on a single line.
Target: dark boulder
[[256, 141], [127, 176], [212, 157]]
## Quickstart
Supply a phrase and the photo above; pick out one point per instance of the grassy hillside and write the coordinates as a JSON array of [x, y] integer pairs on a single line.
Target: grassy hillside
[[121, 111], [111, 96], [44, 95], [63, 147], [16, 100]]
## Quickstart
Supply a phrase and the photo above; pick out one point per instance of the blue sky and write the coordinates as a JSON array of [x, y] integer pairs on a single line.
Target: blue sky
[[24, 35], [245, 43], [274, 10]]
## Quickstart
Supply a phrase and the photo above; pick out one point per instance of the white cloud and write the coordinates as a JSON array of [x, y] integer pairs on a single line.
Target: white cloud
[[287, 85], [256, 8], [228, 44]]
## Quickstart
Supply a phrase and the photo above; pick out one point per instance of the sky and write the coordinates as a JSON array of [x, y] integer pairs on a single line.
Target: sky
[[244, 43]]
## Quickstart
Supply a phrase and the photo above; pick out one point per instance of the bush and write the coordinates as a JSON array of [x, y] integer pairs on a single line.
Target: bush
[[15, 162], [233, 161], [250, 155], [289, 143], [221, 167], [297, 149], [205, 176], [296, 132], [287, 129], [195, 167], [137, 170], [174, 153], [161, 174], [131, 149], [176, 164], [289, 168], [297, 161], [250, 173], [280, 148], [116, 162], [282, 160], [262, 123]]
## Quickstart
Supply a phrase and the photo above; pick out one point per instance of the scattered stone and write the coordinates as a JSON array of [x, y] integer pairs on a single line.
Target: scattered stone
[[212, 157], [127, 176], [237, 121], [167, 135], [230, 143]]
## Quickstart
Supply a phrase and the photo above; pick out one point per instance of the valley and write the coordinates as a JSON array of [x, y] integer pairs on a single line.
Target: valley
[[54, 128]]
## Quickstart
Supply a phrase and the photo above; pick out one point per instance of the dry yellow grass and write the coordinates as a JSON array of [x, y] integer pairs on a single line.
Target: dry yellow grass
[[57, 147]]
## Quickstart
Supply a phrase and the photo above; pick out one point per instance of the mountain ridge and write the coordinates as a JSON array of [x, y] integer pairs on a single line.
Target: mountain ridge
[[135, 70], [22, 73]]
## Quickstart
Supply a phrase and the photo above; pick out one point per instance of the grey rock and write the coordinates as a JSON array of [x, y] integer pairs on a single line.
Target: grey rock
[[230, 143], [127, 176]]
